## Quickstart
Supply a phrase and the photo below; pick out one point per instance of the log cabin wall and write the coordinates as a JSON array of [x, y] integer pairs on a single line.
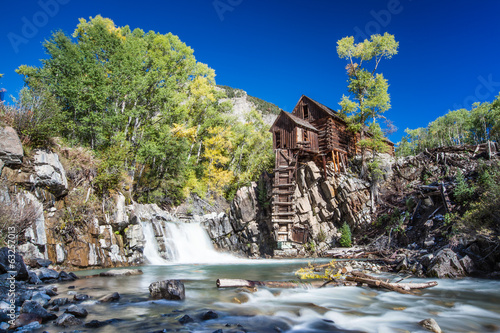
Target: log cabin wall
[[306, 140], [284, 136]]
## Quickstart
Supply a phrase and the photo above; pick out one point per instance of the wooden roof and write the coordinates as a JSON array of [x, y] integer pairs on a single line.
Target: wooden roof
[[325, 108], [298, 121]]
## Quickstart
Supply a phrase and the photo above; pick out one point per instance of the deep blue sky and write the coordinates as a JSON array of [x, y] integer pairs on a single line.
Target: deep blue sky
[[278, 50]]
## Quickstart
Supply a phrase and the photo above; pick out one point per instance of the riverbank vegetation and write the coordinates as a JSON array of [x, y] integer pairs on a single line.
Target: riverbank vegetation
[[478, 125]]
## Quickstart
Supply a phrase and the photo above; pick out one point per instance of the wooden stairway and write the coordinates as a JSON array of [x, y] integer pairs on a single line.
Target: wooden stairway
[[283, 204]]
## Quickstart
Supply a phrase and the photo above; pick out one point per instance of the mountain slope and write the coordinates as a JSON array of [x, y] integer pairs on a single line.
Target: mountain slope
[[244, 103]]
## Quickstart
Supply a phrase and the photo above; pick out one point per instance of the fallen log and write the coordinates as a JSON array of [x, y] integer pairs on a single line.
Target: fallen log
[[241, 283], [404, 288], [350, 280], [377, 284]]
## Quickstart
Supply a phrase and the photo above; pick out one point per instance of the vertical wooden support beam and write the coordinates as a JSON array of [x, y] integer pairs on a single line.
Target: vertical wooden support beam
[[337, 157], [324, 165], [333, 160]]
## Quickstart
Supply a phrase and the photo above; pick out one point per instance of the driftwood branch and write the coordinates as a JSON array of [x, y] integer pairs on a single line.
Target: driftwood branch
[[403, 288], [354, 278]]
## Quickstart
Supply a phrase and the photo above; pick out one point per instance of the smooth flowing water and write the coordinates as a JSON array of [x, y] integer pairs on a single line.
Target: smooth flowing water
[[468, 305]]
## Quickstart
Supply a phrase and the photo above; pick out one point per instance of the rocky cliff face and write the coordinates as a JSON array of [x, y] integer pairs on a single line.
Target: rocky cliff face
[[74, 229], [242, 106], [323, 205], [66, 229]]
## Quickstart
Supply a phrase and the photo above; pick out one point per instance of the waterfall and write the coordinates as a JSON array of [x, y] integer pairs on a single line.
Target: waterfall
[[151, 252], [185, 243]]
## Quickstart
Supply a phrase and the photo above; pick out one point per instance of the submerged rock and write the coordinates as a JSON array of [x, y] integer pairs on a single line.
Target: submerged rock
[[81, 297], [186, 319], [431, 325], [110, 298], [167, 289], [121, 272], [96, 323], [209, 315]]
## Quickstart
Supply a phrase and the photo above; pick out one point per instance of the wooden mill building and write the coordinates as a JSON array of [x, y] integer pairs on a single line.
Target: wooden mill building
[[312, 132]]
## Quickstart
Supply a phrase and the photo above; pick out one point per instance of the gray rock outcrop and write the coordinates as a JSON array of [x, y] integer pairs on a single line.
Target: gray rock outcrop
[[11, 149], [50, 173]]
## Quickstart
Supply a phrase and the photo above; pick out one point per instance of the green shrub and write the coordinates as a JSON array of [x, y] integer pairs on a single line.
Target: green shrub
[[345, 238], [321, 236], [463, 192], [485, 212]]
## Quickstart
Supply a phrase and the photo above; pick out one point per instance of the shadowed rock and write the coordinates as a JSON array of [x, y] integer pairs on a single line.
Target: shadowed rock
[[33, 308], [67, 320], [77, 311], [167, 289]]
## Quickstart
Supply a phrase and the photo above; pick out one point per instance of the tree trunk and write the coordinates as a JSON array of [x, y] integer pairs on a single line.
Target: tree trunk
[[241, 283]]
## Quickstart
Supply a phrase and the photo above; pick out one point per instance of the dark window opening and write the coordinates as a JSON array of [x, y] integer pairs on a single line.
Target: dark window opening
[[278, 139], [306, 135], [305, 109]]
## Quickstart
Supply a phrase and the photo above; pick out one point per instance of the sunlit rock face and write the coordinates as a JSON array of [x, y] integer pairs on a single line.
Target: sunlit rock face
[[11, 149], [50, 173], [322, 206]]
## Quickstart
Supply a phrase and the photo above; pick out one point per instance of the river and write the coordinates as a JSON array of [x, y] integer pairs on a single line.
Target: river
[[467, 305]]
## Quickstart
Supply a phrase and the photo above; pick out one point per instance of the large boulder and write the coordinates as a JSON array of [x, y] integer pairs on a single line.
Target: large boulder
[[167, 289], [49, 172], [10, 261], [445, 264], [11, 149]]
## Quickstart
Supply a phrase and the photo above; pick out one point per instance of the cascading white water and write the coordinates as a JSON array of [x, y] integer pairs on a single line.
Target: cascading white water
[[186, 243], [151, 245], [190, 243]]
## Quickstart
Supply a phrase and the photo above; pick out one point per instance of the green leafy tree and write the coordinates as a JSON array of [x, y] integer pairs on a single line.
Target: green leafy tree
[[368, 98], [457, 127]]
